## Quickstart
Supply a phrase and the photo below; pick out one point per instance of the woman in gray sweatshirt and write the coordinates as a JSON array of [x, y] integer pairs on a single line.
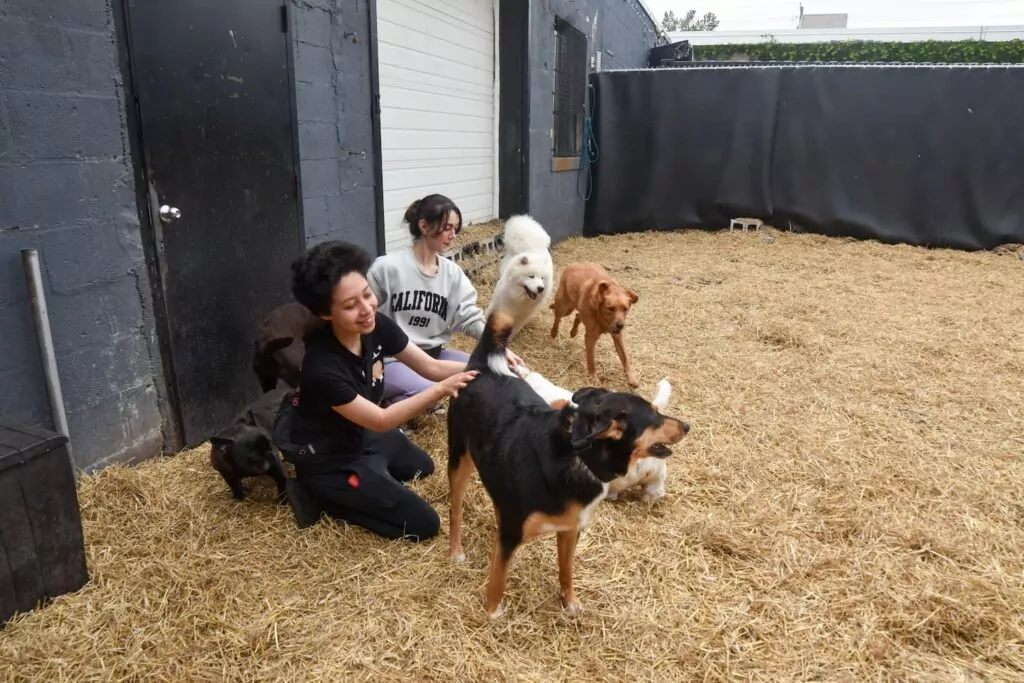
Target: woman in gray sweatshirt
[[427, 295]]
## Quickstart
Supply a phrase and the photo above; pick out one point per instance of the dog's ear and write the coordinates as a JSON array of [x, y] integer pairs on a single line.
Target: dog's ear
[[268, 347], [593, 421], [566, 414], [588, 395], [595, 290], [633, 296], [588, 428]]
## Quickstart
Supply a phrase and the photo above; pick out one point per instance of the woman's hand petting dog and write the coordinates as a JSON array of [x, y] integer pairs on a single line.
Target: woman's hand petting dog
[[457, 382], [514, 361]]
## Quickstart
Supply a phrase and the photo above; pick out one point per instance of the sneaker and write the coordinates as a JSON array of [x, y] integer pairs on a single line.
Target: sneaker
[[304, 505]]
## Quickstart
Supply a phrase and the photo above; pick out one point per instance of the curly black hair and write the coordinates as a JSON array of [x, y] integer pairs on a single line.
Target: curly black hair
[[316, 273]]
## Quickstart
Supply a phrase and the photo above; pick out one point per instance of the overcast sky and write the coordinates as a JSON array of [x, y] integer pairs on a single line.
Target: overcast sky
[[776, 14]]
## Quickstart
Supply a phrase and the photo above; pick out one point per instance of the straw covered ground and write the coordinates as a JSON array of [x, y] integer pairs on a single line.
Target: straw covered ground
[[848, 506]]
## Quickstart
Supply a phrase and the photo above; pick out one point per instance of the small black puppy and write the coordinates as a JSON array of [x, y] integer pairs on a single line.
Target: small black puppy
[[245, 449]]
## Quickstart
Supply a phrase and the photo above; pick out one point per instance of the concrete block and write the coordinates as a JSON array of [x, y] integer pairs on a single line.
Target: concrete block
[[313, 64], [364, 234], [6, 143], [355, 207], [312, 26], [327, 5], [353, 99], [46, 126], [12, 275], [356, 136], [315, 216], [78, 14], [352, 16], [94, 374], [356, 171], [23, 399], [52, 194], [320, 178], [107, 431], [315, 102], [82, 255], [318, 140], [95, 314], [19, 335], [42, 57]]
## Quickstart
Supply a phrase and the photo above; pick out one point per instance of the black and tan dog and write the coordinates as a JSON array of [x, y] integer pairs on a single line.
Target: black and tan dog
[[545, 469]]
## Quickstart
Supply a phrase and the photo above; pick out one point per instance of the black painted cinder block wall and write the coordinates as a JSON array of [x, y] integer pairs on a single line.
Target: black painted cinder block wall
[[66, 189], [623, 32], [333, 107]]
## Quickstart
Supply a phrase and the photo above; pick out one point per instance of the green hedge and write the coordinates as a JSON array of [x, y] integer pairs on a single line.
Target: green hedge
[[961, 51]]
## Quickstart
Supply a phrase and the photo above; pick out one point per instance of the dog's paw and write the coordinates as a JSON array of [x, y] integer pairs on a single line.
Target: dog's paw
[[651, 495], [498, 612], [457, 558], [572, 609], [632, 381], [612, 495]]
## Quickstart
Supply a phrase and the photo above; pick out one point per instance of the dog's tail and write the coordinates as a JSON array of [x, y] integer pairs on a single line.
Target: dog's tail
[[664, 393], [524, 233], [489, 354]]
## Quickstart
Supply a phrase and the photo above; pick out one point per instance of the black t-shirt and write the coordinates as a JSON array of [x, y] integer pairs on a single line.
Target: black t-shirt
[[333, 376]]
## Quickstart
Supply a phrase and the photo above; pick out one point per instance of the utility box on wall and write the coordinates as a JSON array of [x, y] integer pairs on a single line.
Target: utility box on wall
[[42, 550]]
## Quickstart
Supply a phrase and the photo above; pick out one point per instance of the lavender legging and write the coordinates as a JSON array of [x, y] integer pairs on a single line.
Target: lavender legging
[[401, 382]]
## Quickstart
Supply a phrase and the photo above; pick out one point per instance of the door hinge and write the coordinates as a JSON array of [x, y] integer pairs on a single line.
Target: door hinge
[[284, 18]]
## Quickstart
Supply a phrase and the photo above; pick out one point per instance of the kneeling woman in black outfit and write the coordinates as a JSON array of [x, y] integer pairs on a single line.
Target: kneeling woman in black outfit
[[359, 456]]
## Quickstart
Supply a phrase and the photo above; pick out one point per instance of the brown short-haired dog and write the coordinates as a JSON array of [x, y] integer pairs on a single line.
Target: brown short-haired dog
[[280, 344], [601, 304]]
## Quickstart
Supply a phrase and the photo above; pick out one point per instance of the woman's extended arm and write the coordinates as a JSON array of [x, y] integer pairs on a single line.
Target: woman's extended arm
[[421, 363], [371, 416]]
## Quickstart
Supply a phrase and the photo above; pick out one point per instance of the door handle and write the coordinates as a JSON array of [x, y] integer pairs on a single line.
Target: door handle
[[169, 214]]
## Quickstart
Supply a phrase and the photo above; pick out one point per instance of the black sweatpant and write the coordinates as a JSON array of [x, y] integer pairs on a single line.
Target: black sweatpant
[[367, 491]]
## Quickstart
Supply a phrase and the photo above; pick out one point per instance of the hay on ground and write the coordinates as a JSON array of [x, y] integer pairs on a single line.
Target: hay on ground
[[848, 505]]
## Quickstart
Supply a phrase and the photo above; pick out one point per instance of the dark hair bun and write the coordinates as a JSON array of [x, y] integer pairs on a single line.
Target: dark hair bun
[[412, 215], [434, 209]]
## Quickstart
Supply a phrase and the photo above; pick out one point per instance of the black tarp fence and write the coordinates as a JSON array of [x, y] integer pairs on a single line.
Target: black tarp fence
[[930, 156]]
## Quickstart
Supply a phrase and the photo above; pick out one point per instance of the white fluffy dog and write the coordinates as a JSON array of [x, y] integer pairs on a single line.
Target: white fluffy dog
[[527, 271], [544, 387], [523, 234], [650, 472]]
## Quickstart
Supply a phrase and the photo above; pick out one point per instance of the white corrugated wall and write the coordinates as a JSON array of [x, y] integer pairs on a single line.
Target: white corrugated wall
[[438, 100]]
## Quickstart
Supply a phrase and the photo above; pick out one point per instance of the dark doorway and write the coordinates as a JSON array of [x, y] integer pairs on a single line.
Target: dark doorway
[[214, 137], [513, 107]]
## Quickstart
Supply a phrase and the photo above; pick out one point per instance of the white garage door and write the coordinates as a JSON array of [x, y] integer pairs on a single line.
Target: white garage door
[[437, 98]]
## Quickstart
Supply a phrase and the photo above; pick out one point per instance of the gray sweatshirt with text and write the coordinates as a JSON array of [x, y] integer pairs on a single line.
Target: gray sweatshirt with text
[[427, 307]]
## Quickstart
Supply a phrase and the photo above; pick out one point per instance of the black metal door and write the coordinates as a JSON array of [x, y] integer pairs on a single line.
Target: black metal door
[[212, 84]]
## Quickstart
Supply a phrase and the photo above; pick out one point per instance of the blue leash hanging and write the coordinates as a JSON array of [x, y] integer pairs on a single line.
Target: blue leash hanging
[[590, 152]]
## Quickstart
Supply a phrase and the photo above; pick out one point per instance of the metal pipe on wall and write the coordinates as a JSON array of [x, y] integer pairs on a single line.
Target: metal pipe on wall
[[41, 318]]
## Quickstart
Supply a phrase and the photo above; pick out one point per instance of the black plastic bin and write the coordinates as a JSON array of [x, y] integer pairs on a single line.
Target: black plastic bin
[[42, 551]]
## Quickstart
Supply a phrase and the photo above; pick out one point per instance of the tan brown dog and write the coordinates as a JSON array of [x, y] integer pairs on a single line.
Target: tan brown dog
[[601, 304]]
